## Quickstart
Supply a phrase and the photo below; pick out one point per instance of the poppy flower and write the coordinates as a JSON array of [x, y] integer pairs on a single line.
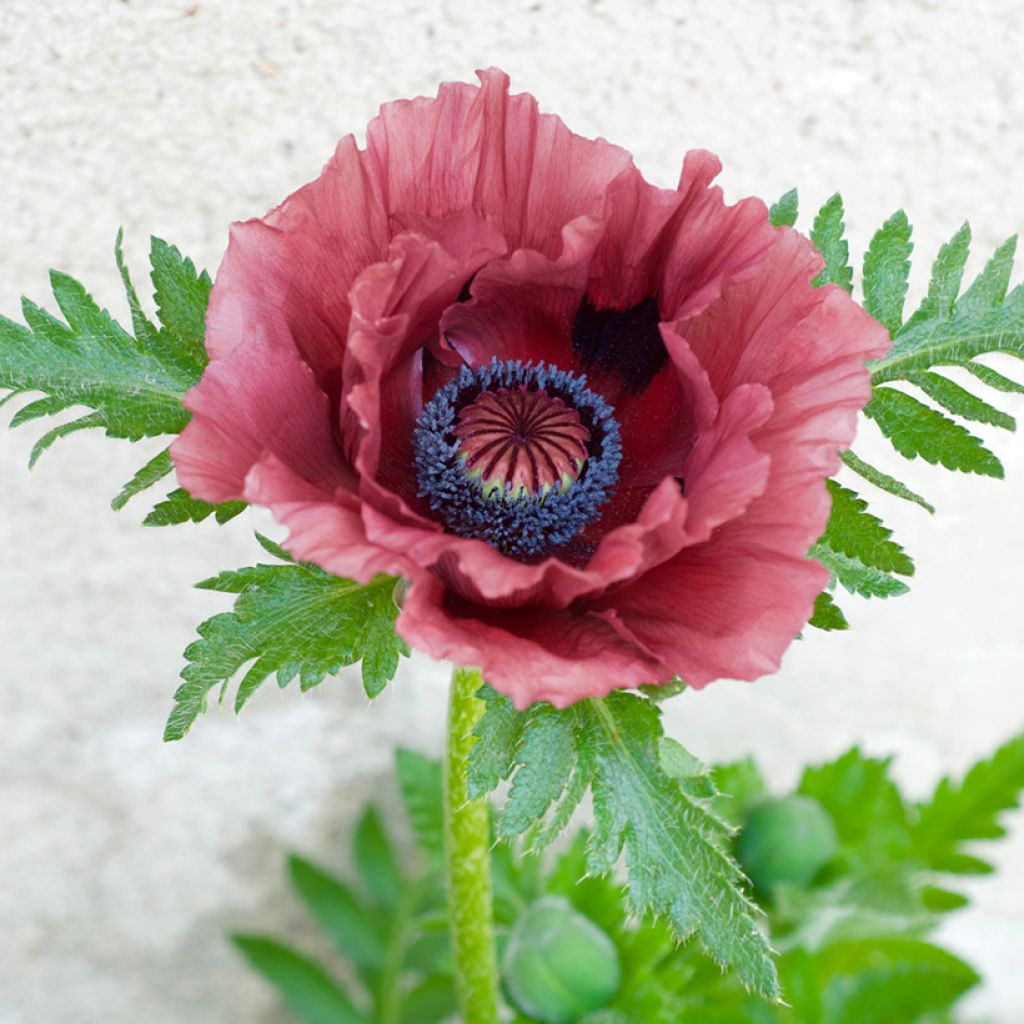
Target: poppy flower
[[588, 419]]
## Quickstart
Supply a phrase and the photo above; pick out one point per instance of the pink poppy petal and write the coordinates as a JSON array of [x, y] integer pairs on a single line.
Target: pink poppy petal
[[719, 610], [483, 148], [284, 279], [396, 307], [528, 655], [714, 245], [324, 529], [257, 399]]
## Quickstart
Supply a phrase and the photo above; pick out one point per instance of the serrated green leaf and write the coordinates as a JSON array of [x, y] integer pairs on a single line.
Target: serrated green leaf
[[971, 331], [784, 212], [681, 870], [419, 781], [293, 619], [561, 814], [145, 331], [859, 552], [274, 549], [883, 981], [132, 385], [853, 531], [827, 614], [855, 576], [916, 429], [947, 333], [134, 389], [376, 860], [942, 901], [887, 271], [674, 841], [944, 286], [34, 410], [948, 272], [546, 759], [695, 778], [864, 804], [498, 733], [156, 469], [989, 288], [969, 810], [382, 649], [994, 379], [962, 864], [339, 913], [678, 763], [182, 294], [309, 991], [827, 234], [959, 401], [883, 481], [86, 422], [180, 507], [551, 770]]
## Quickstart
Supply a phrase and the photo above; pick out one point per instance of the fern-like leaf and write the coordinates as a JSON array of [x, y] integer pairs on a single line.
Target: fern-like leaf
[[969, 810], [651, 798], [294, 620]]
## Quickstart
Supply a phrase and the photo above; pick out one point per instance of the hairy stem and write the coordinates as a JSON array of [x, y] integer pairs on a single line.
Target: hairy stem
[[468, 861]]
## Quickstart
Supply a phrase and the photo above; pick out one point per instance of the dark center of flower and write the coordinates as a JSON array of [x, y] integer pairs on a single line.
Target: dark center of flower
[[522, 457], [528, 441]]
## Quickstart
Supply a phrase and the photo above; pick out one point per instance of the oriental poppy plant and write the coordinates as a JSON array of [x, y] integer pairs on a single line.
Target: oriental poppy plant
[[588, 419]]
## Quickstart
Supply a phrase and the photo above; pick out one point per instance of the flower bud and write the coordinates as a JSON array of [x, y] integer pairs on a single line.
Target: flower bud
[[558, 965], [789, 839]]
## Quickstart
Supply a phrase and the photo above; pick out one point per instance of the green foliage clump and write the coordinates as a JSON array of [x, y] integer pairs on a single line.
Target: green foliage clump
[[388, 925], [853, 936], [952, 329], [639, 780]]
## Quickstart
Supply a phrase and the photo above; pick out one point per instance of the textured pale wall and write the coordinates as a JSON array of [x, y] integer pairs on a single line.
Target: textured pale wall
[[123, 861]]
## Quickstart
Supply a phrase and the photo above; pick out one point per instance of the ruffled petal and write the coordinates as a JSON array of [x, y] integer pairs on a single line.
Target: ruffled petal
[[728, 473], [396, 307], [527, 654], [522, 307], [808, 346], [325, 529], [480, 147], [718, 610], [723, 473], [256, 399], [285, 278], [712, 245]]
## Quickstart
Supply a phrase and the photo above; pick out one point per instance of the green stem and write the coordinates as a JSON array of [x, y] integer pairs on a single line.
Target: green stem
[[468, 861]]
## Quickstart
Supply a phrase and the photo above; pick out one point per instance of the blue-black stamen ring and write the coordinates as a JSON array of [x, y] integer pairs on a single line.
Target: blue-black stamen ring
[[521, 526]]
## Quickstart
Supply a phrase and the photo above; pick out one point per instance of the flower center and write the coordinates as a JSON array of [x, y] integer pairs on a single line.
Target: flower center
[[520, 456], [522, 441]]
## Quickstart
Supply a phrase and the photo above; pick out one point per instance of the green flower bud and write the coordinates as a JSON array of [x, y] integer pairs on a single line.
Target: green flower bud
[[558, 965], [789, 839]]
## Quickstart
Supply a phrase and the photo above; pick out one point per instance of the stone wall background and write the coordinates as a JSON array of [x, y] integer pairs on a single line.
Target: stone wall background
[[124, 861]]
